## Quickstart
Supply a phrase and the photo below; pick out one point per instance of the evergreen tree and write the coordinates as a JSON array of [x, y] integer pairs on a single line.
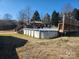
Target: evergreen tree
[[36, 16], [55, 18]]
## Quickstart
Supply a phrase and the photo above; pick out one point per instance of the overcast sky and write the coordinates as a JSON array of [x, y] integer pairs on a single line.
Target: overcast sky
[[43, 6]]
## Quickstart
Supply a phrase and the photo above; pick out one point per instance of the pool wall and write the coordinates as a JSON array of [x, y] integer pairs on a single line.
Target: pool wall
[[41, 33]]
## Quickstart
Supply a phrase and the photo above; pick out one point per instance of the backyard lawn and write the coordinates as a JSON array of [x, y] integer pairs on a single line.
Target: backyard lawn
[[19, 46]]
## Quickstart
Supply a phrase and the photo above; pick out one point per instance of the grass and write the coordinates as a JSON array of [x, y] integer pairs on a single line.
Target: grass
[[58, 48], [8, 45]]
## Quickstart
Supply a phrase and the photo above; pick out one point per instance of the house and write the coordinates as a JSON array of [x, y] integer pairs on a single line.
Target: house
[[7, 24]]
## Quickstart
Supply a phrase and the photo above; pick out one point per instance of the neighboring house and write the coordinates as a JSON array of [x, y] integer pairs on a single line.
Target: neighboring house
[[7, 24]]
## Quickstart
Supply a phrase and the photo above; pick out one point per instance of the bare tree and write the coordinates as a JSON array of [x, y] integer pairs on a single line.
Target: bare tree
[[23, 18], [25, 14], [67, 8], [7, 16], [46, 20]]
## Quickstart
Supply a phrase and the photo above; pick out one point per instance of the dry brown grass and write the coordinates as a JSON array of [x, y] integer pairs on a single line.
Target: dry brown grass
[[58, 48]]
